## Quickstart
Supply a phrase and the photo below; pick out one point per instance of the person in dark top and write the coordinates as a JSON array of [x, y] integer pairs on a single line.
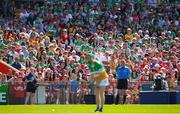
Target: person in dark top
[[31, 86], [16, 64], [10, 74]]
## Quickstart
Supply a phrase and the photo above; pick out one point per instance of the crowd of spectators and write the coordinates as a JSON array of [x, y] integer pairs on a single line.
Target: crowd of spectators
[[53, 38]]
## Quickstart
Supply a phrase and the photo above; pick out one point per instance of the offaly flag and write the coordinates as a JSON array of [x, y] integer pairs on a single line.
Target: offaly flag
[[4, 68]]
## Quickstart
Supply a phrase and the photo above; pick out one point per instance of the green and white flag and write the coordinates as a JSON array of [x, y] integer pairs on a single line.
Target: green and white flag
[[3, 94]]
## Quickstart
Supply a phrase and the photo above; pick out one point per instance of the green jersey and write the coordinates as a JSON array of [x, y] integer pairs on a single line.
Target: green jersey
[[1, 45], [96, 66], [78, 43], [85, 47]]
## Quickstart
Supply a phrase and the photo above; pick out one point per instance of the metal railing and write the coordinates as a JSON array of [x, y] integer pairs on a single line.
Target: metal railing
[[70, 93]]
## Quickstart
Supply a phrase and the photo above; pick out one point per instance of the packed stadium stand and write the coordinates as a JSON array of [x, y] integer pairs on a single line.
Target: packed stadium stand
[[49, 39]]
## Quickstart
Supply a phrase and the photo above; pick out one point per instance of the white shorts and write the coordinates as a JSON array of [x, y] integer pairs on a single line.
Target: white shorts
[[104, 82]]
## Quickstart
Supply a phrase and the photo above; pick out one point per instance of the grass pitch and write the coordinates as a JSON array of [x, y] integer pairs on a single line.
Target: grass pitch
[[88, 109]]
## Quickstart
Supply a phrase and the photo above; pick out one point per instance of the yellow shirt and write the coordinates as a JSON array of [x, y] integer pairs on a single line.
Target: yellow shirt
[[128, 37]]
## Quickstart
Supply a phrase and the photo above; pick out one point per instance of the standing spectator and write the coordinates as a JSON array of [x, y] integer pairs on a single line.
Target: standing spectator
[[56, 89], [19, 89], [178, 76], [31, 86], [10, 74], [3, 78], [24, 16], [74, 88]]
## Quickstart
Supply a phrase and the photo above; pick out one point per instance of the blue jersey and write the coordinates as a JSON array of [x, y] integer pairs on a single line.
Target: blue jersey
[[123, 72]]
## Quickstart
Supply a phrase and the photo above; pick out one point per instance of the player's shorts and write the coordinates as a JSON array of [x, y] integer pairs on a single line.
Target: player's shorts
[[30, 87], [102, 83], [122, 84]]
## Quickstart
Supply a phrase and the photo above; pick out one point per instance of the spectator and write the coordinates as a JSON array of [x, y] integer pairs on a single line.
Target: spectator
[[19, 88], [74, 88], [31, 86], [129, 36], [10, 74], [56, 90], [16, 64], [160, 84]]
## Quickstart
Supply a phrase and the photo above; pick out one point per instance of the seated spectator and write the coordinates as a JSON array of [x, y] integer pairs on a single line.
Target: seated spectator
[[16, 64], [129, 36]]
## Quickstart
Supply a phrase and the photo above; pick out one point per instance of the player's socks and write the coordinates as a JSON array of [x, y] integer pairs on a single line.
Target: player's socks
[[124, 99], [117, 99]]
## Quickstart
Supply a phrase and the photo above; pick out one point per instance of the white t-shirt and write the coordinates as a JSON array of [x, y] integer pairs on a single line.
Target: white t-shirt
[[75, 57], [24, 14]]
